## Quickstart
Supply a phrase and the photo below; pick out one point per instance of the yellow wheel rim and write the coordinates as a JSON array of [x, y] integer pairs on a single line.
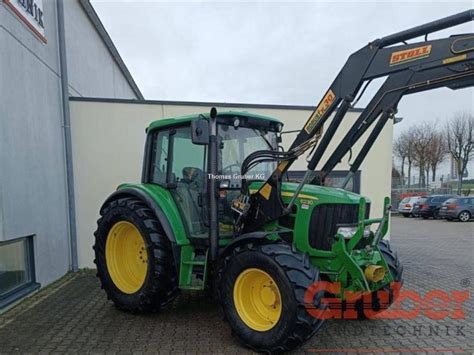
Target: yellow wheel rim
[[257, 299], [126, 257]]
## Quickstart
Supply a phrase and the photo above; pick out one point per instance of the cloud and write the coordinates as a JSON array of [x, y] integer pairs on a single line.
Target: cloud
[[266, 52]]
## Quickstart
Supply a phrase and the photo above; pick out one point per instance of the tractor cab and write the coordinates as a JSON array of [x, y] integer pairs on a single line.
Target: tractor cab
[[177, 158]]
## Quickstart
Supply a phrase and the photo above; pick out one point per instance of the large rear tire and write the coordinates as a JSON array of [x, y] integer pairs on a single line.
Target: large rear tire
[[133, 256], [261, 289]]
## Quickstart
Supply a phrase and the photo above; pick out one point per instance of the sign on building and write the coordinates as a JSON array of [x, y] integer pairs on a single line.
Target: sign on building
[[30, 13]]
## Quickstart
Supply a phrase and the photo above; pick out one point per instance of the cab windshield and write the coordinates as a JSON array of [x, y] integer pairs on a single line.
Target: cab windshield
[[236, 145]]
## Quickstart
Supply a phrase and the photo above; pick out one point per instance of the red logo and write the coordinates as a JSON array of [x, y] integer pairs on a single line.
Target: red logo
[[395, 303]]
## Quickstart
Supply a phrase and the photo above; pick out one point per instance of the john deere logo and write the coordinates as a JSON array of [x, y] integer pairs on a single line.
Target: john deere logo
[[409, 55]]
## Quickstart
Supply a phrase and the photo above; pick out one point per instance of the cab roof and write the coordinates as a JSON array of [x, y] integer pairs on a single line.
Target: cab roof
[[183, 119]]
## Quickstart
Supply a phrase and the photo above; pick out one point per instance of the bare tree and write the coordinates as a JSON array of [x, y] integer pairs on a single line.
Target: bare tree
[[400, 151], [397, 179], [403, 150], [424, 147], [436, 152], [409, 137], [459, 135], [427, 168], [422, 135]]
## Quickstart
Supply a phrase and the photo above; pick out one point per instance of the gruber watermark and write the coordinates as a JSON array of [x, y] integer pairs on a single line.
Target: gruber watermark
[[407, 304]]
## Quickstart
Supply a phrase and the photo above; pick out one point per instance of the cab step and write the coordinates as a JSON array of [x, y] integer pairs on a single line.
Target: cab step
[[193, 270]]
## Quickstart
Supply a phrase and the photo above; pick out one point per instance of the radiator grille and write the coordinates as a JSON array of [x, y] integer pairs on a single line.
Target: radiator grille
[[324, 221]]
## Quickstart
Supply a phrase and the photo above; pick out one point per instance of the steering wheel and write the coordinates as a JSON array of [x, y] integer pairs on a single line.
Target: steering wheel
[[229, 168]]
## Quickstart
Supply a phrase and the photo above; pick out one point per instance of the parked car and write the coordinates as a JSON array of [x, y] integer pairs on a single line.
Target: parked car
[[415, 212], [461, 208], [405, 207], [430, 205]]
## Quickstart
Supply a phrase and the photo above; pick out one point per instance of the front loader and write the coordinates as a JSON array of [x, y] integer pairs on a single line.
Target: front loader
[[214, 210]]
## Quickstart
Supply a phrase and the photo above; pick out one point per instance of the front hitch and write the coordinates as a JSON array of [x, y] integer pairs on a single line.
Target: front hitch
[[366, 267]]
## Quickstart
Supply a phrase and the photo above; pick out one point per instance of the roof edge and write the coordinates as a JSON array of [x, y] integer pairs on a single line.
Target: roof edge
[[99, 27], [200, 103]]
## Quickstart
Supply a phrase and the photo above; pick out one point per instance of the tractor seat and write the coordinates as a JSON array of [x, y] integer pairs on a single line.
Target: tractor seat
[[194, 177], [189, 189]]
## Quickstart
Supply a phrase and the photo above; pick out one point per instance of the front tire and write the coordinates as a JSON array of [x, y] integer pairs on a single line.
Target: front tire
[[133, 256], [261, 289]]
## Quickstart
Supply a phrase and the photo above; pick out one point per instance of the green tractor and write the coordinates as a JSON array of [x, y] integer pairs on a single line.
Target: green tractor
[[215, 210]]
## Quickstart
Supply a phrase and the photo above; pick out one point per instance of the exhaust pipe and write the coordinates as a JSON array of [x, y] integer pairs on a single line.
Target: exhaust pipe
[[212, 188]]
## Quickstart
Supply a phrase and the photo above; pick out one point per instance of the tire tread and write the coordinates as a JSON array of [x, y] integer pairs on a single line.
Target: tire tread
[[300, 273], [162, 286]]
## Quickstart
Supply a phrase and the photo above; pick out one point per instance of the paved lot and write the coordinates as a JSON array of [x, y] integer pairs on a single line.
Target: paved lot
[[74, 316]]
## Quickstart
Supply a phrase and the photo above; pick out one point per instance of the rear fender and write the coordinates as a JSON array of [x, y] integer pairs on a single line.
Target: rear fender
[[161, 203]]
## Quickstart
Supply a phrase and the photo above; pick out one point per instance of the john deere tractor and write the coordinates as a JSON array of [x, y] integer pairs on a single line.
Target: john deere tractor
[[215, 210]]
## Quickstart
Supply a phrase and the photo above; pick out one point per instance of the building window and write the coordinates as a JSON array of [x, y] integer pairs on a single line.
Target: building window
[[17, 272], [334, 179]]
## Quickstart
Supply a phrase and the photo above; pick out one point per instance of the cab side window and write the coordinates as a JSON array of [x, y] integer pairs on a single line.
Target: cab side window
[[181, 166], [159, 157], [188, 171], [189, 159]]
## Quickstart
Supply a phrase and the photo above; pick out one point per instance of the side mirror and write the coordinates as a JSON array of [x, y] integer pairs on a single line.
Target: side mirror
[[200, 131]]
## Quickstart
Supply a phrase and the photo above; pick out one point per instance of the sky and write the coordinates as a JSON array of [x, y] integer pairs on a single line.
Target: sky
[[268, 52]]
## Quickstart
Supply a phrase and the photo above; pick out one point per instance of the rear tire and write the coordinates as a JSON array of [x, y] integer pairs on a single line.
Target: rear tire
[[131, 286], [287, 324]]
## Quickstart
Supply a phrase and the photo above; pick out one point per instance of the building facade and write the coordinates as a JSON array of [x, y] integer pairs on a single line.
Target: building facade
[[72, 127], [34, 207], [109, 138]]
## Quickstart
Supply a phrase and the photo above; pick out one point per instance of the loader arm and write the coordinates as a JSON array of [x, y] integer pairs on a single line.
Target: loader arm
[[408, 68]]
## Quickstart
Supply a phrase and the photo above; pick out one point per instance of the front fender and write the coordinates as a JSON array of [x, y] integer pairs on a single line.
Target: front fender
[[252, 237], [160, 201]]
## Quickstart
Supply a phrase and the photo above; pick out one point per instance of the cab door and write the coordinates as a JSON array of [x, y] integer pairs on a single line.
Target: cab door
[[180, 166]]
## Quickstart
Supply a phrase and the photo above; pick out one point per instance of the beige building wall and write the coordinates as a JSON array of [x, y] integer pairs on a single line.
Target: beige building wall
[[108, 140]]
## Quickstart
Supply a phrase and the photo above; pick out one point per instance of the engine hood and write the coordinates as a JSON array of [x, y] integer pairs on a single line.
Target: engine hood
[[323, 194]]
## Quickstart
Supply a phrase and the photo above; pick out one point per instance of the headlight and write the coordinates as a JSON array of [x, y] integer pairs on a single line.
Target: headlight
[[348, 232]]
